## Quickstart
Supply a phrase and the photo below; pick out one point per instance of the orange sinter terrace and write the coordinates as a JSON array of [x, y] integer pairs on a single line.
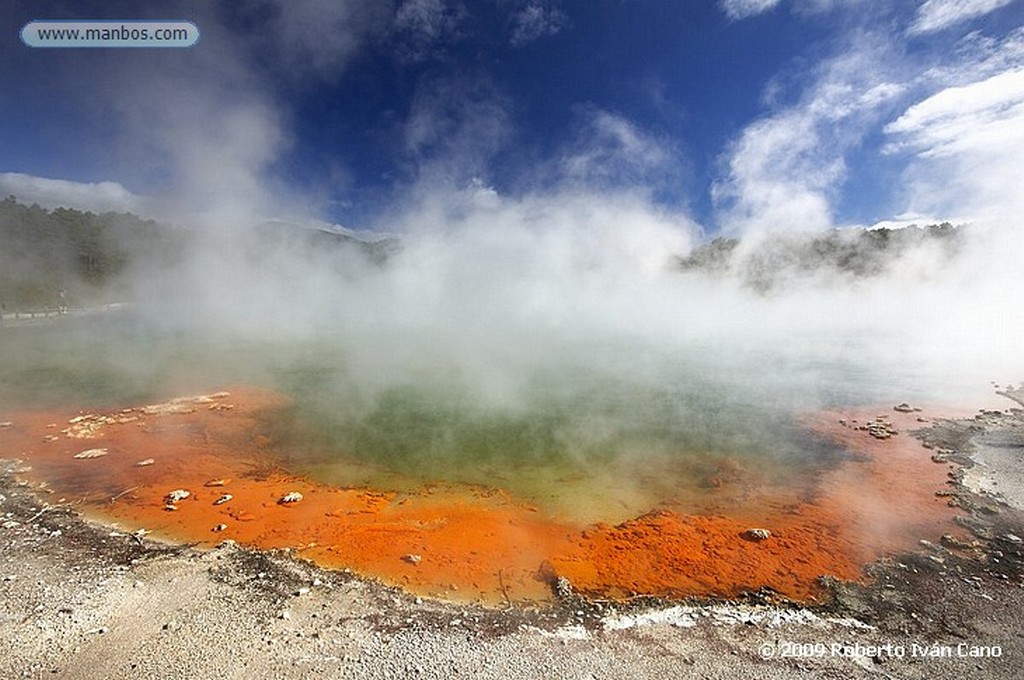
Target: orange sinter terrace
[[204, 469]]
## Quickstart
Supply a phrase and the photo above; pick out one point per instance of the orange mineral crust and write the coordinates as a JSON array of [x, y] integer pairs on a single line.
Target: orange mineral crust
[[880, 501], [210, 467], [887, 496]]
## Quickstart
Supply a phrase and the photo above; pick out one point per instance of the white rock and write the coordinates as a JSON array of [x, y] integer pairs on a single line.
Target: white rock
[[91, 453], [757, 534], [177, 495]]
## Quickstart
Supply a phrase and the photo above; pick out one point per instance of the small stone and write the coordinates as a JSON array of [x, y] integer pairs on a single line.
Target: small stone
[[6, 423], [285, 615], [170, 507], [290, 497], [217, 482], [91, 453], [220, 527], [757, 534], [411, 558], [879, 429], [173, 407], [953, 542], [223, 499], [177, 495], [144, 463], [904, 407]]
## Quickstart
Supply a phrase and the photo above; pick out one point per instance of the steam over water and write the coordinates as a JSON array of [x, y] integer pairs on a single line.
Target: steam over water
[[536, 345], [581, 371]]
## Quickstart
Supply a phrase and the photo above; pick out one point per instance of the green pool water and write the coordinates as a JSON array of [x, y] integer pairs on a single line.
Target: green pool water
[[600, 433]]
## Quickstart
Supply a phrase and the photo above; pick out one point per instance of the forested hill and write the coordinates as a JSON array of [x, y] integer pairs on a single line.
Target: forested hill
[[95, 258], [90, 256], [796, 256], [43, 252]]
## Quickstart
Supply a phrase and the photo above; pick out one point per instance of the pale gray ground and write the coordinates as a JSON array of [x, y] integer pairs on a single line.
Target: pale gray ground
[[999, 456], [79, 600]]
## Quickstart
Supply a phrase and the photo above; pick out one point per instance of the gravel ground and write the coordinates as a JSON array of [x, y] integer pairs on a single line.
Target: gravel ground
[[82, 600]]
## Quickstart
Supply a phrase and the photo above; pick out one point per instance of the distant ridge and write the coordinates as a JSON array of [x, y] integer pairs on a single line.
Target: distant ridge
[[854, 253]]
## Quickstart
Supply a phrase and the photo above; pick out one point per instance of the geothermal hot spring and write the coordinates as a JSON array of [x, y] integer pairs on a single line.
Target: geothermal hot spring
[[488, 411]]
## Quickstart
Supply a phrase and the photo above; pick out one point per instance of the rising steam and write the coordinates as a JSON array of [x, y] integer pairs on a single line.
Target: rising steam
[[559, 301]]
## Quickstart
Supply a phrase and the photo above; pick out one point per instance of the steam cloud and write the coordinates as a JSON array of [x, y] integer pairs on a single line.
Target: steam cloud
[[490, 293]]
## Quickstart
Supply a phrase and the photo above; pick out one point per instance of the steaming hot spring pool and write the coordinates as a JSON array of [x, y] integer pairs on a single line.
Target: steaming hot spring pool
[[626, 473]]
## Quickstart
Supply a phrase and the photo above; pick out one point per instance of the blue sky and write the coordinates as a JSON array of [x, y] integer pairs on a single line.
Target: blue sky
[[731, 116]]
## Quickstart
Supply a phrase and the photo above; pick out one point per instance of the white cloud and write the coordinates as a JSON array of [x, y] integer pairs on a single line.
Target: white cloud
[[201, 132], [454, 128], [966, 143], [318, 36], [211, 144], [535, 21], [963, 118], [611, 149], [54, 193], [904, 220], [741, 9], [426, 28], [957, 128], [778, 178], [785, 170], [936, 15]]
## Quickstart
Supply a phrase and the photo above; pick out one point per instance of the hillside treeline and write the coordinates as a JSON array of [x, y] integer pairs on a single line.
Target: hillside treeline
[[87, 255], [844, 253], [94, 258]]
